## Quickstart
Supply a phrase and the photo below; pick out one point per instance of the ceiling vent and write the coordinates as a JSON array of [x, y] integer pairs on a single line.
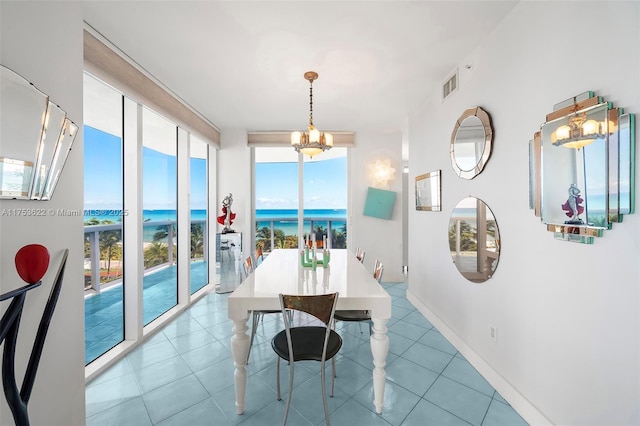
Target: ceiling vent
[[451, 85]]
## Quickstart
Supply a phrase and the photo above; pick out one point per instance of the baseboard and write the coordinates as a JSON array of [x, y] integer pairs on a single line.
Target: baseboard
[[519, 403]]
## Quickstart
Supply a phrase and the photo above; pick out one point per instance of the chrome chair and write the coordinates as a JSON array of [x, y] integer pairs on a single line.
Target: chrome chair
[[248, 266], [359, 315], [309, 342], [378, 268], [256, 316]]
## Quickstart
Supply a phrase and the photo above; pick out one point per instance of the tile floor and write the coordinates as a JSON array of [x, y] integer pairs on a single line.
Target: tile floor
[[103, 312], [184, 376]]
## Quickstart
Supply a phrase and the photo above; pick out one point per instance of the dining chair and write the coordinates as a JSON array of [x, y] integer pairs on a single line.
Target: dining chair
[[360, 315], [248, 266], [378, 268], [257, 257], [310, 342], [360, 254], [256, 316]]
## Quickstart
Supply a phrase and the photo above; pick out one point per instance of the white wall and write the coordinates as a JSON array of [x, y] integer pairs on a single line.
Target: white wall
[[42, 41], [567, 315], [234, 176], [379, 238]]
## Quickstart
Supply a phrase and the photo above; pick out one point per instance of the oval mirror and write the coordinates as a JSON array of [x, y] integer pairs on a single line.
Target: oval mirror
[[471, 143], [474, 240]]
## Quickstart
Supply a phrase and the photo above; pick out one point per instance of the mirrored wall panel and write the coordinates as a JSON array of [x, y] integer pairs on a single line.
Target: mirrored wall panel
[[36, 138], [428, 192], [474, 240], [471, 141], [582, 168]]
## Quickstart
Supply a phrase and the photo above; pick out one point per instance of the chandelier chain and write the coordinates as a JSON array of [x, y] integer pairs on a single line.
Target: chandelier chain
[[311, 103]]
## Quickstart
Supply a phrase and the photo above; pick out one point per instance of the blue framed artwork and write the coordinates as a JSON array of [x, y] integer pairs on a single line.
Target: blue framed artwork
[[379, 203]]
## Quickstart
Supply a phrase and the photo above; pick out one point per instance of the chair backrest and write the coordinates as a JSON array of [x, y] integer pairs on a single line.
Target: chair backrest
[[360, 254], [321, 306], [248, 266], [377, 270]]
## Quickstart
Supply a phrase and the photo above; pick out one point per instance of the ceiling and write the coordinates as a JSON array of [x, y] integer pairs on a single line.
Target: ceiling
[[240, 64]]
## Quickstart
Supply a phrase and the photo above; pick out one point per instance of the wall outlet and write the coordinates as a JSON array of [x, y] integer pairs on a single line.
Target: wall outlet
[[493, 333]]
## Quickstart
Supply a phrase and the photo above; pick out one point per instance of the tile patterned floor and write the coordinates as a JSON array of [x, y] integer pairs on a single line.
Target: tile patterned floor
[[103, 312], [184, 376]]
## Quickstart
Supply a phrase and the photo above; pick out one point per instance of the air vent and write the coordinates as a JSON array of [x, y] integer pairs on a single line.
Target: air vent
[[451, 85]]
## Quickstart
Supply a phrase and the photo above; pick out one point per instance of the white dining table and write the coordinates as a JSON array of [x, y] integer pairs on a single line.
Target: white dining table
[[282, 272]]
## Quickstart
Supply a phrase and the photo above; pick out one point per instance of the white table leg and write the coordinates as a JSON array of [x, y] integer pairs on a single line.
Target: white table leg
[[240, 350], [379, 350]]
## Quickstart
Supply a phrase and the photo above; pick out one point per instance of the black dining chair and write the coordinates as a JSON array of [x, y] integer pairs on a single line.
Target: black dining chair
[[311, 342], [360, 315]]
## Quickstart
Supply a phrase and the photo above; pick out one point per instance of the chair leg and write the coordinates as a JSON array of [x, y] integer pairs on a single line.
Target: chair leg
[[333, 375], [286, 409], [324, 395], [278, 378], [255, 317]]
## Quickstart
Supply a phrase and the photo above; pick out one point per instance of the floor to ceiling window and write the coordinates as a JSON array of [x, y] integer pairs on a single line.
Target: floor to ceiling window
[[103, 202], [108, 187], [277, 197], [198, 154], [325, 198], [159, 214]]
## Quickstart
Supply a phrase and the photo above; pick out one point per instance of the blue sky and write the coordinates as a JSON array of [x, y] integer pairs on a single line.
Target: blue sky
[[325, 181], [325, 185], [103, 175]]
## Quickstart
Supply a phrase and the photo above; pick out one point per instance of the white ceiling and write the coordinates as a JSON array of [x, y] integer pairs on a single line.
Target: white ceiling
[[241, 64]]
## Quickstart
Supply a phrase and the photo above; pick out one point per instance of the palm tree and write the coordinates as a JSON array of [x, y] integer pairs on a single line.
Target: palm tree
[[162, 232], [109, 240], [467, 237], [263, 237], [197, 240], [318, 231], [279, 238], [339, 238], [156, 254]]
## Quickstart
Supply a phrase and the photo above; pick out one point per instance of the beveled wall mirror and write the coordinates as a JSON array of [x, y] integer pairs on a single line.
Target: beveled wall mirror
[[36, 138], [428, 192], [474, 240], [582, 168], [471, 141]]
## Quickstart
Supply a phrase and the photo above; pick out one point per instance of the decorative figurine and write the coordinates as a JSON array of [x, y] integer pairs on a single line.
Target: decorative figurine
[[227, 216], [572, 206]]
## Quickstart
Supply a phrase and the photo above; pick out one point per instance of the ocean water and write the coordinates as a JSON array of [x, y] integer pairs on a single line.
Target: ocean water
[[287, 219], [284, 219]]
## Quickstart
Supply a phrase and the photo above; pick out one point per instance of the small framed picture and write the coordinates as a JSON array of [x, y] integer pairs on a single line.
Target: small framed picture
[[428, 192]]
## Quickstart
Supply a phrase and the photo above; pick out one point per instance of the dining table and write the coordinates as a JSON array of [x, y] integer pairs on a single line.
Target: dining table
[[284, 271]]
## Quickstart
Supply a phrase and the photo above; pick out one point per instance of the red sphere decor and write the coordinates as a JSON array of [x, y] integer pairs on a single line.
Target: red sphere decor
[[32, 262]]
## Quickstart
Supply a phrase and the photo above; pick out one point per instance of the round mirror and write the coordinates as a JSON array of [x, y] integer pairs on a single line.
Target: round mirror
[[471, 143], [474, 240]]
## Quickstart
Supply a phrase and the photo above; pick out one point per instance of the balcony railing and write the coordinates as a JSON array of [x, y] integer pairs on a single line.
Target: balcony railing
[[112, 244], [337, 234]]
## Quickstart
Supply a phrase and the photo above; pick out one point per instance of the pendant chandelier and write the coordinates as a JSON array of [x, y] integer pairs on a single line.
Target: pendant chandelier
[[311, 142]]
